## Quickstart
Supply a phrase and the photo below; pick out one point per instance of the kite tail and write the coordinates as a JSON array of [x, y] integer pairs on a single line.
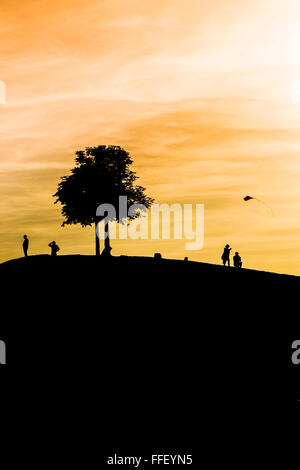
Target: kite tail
[[270, 208]]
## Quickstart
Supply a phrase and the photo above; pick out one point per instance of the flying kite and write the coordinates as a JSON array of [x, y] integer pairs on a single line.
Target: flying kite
[[248, 198]]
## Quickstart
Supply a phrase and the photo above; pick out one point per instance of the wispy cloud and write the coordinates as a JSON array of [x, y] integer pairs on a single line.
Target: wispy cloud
[[199, 92]]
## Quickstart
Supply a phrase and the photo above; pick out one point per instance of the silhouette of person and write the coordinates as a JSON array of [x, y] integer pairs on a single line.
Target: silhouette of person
[[237, 260], [54, 248], [25, 245], [226, 255], [106, 251]]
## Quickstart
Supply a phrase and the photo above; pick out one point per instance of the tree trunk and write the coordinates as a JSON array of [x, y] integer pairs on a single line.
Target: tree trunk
[[107, 241], [97, 241]]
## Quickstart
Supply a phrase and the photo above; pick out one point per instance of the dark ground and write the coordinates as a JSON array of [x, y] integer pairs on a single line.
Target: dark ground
[[140, 352]]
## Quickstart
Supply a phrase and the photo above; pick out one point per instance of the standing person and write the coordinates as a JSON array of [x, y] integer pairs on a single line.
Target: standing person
[[25, 245], [54, 248], [237, 260], [226, 255]]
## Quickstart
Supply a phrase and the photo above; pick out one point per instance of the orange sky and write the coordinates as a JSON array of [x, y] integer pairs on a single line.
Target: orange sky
[[198, 91]]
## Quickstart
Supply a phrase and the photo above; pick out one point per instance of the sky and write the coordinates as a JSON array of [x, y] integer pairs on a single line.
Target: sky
[[200, 94]]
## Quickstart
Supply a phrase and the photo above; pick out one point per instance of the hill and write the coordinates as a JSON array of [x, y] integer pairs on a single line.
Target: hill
[[158, 342], [204, 270]]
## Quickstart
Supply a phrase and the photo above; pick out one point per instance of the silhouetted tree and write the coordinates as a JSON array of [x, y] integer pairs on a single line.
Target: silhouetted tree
[[100, 176]]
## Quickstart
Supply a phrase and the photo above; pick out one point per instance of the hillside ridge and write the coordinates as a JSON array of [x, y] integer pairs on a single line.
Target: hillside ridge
[[139, 261]]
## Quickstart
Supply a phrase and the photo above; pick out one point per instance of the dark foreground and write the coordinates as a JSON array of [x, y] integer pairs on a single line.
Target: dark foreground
[[130, 352]]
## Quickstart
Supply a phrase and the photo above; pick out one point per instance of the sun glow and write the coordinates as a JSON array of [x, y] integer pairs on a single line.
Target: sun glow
[[205, 96]]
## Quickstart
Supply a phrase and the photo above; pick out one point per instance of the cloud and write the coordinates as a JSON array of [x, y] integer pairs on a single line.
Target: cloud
[[198, 91]]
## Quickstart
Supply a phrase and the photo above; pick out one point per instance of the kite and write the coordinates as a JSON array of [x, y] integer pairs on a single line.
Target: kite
[[248, 198]]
